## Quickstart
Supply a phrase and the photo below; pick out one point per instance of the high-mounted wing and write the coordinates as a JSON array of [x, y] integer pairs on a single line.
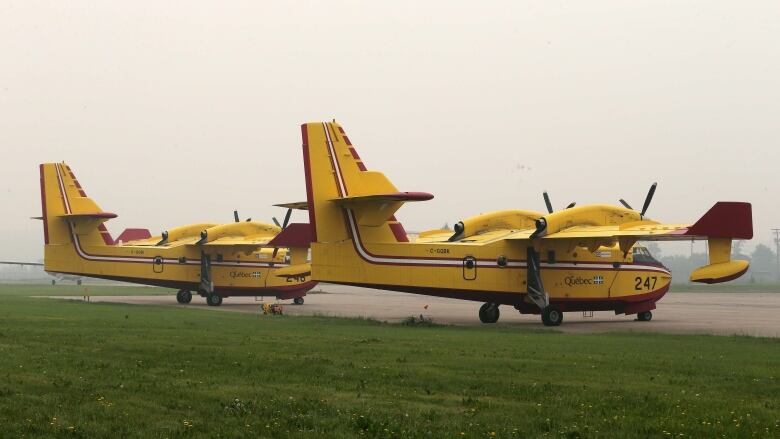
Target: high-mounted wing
[[594, 226]]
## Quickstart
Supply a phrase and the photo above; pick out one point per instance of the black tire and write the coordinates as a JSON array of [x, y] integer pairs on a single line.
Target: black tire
[[552, 316], [298, 301], [78, 281], [53, 282], [184, 297], [214, 299], [644, 316], [489, 313]]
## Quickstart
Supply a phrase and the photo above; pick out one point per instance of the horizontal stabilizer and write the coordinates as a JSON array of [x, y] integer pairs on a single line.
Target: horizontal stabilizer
[[90, 215], [298, 205], [294, 235], [379, 198]]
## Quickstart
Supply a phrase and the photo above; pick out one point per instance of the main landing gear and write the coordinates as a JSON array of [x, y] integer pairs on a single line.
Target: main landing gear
[[488, 313], [298, 301], [184, 296], [552, 316], [644, 316], [214, 299], [206, 284]]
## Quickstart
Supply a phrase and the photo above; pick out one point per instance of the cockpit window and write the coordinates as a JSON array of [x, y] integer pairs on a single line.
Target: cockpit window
[[642, 255]]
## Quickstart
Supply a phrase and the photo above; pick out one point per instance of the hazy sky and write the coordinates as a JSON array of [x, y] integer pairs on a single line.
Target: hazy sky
[[178, 112]]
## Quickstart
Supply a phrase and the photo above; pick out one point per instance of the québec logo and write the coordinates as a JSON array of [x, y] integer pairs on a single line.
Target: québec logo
[[577, 280]]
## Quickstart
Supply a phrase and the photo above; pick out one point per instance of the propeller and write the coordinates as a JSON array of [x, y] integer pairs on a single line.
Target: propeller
[[282, 226], [648, 200], [235, 216], [549, 204], [286, 220]]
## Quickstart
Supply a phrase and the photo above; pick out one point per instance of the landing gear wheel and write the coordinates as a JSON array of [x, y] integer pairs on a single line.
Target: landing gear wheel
[[488, 313], [298, 301], [644, 316], [183, 297], [552, 316], [78, 282], [214, 299]]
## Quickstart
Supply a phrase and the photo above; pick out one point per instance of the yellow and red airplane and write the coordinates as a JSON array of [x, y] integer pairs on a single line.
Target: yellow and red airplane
[[582, 258], [214, 260]]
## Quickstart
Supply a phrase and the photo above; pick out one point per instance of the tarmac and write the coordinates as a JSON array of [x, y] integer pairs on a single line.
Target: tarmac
[[722, 313]]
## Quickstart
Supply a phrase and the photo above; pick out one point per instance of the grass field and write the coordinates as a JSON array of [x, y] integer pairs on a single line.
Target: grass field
[[76, 369], [31, 289]]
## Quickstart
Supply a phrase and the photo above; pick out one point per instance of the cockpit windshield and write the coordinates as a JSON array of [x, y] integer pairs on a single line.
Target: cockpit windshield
[[642, 255]]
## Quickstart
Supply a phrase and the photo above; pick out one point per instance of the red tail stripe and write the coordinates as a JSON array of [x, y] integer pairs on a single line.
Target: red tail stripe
[[43, 208]]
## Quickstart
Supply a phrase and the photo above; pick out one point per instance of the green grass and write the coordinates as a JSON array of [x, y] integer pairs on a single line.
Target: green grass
[[32, 289], [77, 369]]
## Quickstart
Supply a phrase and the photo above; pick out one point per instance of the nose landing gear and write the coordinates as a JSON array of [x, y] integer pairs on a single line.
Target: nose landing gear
[[644, 316]]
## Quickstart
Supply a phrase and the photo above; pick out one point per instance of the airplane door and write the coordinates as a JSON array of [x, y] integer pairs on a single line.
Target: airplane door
[[158, 264], [469, 268]]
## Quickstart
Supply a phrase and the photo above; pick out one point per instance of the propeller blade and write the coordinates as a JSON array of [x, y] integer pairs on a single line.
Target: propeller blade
[[547, 202], [286, 219], [235, 215], [649, 198], [626, 205], [572, 204], [276, 221]]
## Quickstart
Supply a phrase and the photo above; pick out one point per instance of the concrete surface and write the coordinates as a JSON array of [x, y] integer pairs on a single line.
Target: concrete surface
[[724, 313]]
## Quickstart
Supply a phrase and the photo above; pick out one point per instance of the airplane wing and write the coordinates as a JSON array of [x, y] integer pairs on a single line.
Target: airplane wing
[[240, 241], [724, 222]]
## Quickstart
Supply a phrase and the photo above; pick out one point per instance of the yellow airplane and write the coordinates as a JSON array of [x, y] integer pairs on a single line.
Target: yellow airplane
[[582, 258], [214, 260]]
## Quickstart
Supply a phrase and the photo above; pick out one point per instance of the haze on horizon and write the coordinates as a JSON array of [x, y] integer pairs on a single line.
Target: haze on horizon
[[172, 114]]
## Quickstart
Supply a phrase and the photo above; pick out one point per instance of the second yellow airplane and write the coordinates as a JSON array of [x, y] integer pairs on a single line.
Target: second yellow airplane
[[213, 260]]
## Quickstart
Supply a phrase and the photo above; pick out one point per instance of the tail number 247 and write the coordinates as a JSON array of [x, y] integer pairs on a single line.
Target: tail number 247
[[645, 283]]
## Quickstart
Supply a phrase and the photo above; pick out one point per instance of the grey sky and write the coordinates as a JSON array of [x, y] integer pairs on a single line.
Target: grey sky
[[179, 112]]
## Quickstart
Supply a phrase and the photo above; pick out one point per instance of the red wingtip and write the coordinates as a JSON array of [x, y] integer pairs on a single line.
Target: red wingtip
[[295, 235], [726, 219]]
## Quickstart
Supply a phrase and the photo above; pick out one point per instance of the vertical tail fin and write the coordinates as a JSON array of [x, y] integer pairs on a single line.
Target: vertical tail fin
[[67, 211], [339, 187]]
